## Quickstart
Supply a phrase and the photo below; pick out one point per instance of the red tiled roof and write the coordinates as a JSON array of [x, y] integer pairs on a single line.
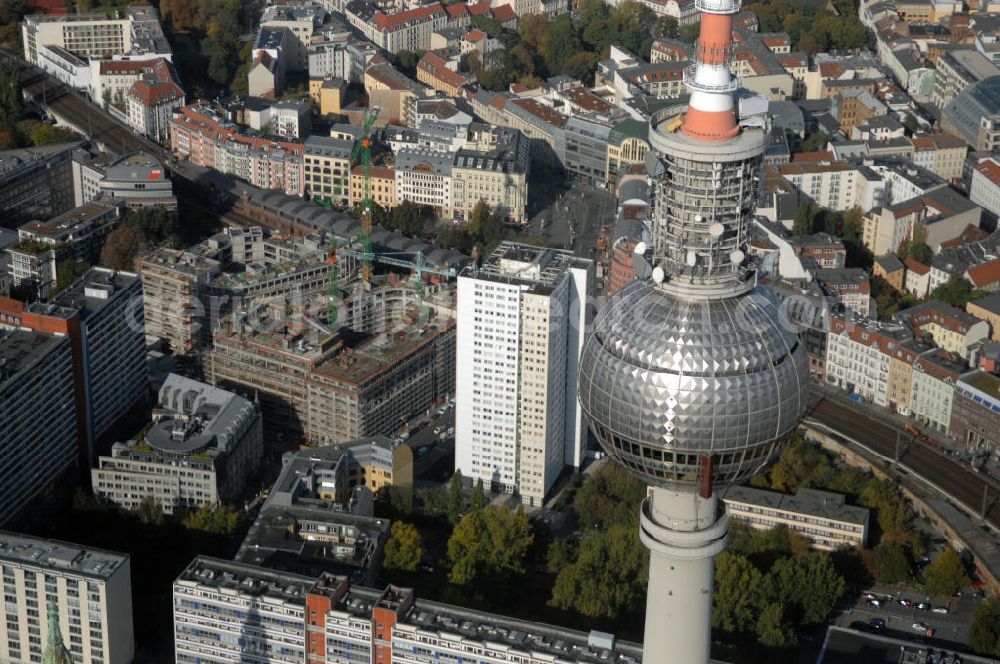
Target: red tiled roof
[[479, 9], [819, 155], [436, 67], [475, 35], [541, 111], [153, 93], [913, 265], [456, 10], [504, 13], [831, 70], [985, 274], [385, 22], [991, 170], [972, 233]]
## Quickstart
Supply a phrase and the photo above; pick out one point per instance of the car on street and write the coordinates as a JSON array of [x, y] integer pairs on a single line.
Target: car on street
[[874, 602], [939, 609], [443, 436], [870, 596], [905, 602], [877, 623], [919, 627], [923, 606]]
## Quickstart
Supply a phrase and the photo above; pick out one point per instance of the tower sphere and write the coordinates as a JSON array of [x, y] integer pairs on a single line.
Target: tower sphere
[[665, 380]]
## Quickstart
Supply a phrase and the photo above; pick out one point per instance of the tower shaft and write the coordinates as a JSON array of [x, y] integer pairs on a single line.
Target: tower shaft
[[683, 532]]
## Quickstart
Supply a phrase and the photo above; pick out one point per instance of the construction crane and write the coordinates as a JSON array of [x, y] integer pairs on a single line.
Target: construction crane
[[363, 148], [417, 266], [333, 289]]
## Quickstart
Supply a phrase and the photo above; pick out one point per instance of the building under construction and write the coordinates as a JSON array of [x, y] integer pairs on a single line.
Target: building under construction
[[392, 359]]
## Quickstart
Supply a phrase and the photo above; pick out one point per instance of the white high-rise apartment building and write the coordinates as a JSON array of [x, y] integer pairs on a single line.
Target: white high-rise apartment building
[[522, 316], [91, 590]]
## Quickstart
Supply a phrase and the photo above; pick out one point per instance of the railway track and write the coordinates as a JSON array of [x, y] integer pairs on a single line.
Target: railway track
[[961, 483]]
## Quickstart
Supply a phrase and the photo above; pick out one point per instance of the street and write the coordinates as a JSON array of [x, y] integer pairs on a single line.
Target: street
[[574, 219]]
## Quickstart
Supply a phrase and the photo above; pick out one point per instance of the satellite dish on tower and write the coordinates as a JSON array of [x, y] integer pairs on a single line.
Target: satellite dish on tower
[[659, 275], [716, 230], [640, 249], [737, 257], [692, 259]]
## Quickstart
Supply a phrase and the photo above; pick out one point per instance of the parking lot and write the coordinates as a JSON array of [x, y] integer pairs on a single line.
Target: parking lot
[[950, 629], [432, 439]]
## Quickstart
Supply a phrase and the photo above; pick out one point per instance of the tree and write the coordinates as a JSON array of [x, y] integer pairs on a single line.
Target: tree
[[608, 576], [665, 26], [956, 291], [816, 141], [984, 633], [220, 520], [946, 575], [771, 628], [689, 33], [69, 271], [122, 246], [607, 497], [809, 585], [560, 555], [563, 44], [581, 66], [489, 544], [405, 547], [737, 598], [390, 503], [911, 124], [408, 62], [478, 496], [150, 511], [892, 563], [803, 220], [456, 498]]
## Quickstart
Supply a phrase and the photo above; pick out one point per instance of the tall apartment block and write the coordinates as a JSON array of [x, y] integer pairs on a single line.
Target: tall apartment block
[[522, 314], [171, 283], [202, 446], [227, 612], [102, 315], [36, 183], [90, 590], [38, 415], [136, 32]]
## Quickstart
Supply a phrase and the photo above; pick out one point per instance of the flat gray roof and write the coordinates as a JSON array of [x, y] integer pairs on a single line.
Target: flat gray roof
[[60, 556], [812, 502]]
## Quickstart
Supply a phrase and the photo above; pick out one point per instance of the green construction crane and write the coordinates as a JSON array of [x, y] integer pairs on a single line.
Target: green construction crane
[[363, 148]]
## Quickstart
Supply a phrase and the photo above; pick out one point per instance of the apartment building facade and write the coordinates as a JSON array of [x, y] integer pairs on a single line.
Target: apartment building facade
[[821, 516], [521, 320], [327, 169], [200, 448], [38, 414], [172, 282], [89, 589], [224, 611]]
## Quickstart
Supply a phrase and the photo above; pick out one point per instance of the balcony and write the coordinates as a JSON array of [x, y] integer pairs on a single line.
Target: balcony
[[718, 6]]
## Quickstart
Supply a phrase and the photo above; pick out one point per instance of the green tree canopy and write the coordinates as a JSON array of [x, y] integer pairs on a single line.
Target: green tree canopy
[[150, 511], [810, 585], [984, 632], [405, 547], [608, 576], [892, 563], [611, 495], [772, 630], [957, 291], [456, 497], [489, 544], [946, 575], [69, 271], [220, 520], [738, 593]]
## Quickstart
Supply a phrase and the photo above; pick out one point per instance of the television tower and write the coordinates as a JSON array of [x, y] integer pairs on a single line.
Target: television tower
[[689, 377]]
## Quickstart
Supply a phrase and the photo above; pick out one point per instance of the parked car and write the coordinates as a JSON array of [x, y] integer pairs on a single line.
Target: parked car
[[437, 430], [923, 606], [877, 623], [905, 602], [939, 609]]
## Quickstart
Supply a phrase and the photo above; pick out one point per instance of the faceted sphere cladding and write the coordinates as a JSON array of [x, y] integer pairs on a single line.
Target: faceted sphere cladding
[[665, 380]]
